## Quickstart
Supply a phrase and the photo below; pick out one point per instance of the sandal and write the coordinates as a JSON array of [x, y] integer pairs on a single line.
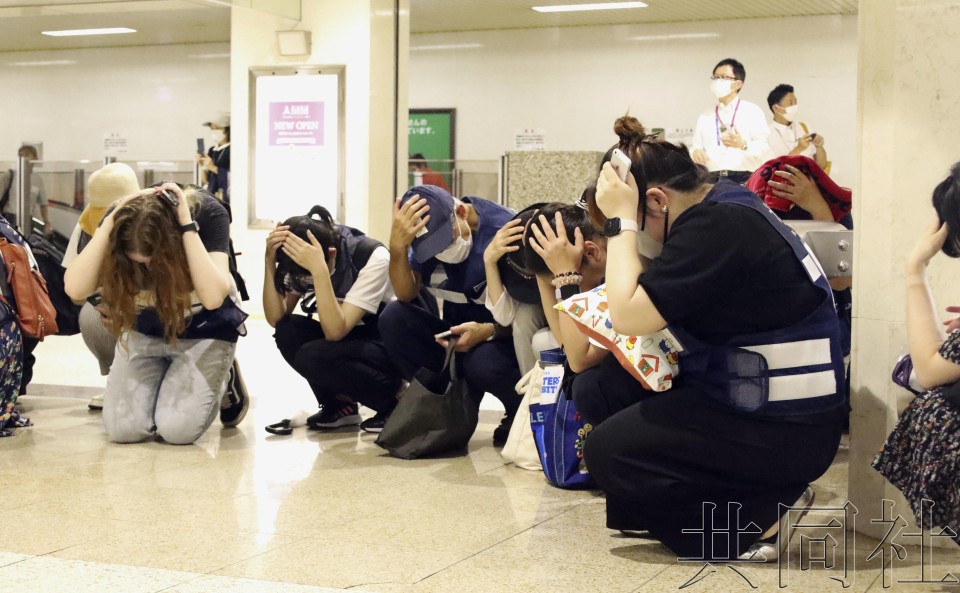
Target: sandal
[[281, 428], [18, 420]]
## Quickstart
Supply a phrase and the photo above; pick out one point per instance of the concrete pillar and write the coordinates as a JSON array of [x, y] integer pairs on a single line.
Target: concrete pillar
[[360, 35], [908, 108]]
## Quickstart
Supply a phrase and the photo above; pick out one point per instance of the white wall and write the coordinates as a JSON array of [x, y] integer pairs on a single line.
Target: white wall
[[574, 82], [156, 96]]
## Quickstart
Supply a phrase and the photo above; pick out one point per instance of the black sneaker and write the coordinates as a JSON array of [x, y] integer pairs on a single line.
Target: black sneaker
[[501, 432], [374, 424], [235, 403], [330, 417]]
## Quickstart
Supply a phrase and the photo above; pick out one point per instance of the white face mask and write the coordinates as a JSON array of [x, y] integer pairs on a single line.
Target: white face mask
[[459, 250], [217, 136], [647, 246], [790, 113], [721, 87]]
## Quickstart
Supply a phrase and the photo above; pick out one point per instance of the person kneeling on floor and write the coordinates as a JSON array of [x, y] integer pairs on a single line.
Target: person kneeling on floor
[[161, 259], [343, 276]]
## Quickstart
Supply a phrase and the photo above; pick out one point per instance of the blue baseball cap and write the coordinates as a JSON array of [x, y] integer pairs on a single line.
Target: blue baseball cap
[[438, 234]]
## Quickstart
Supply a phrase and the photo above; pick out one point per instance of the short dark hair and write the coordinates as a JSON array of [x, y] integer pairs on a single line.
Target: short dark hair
[[320, 223], [946, 201], [417, 157], [777, 94], [573, 217], [739, 72], [29, 148]]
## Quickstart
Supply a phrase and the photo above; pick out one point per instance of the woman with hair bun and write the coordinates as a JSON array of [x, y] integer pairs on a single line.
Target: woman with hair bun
[[756, 413], [160, 257], [922, 455], [342, 276]]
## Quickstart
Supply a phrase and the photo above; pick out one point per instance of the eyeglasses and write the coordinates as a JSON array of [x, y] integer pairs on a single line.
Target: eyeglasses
[[724, 78]]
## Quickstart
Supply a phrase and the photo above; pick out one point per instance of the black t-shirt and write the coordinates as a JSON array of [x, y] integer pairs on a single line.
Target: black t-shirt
[[725, 272]]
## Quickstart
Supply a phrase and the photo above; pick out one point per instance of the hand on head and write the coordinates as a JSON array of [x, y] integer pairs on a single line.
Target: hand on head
[[408, 220], [926, 247], [505, 241], [615, 198], [552, 244]]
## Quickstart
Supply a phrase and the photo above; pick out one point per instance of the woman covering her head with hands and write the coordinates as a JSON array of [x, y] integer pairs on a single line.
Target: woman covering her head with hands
[[922, 455], [160, 257], [754, 415]]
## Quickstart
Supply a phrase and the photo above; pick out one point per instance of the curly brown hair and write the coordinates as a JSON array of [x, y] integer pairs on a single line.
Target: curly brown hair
[[148, 226]]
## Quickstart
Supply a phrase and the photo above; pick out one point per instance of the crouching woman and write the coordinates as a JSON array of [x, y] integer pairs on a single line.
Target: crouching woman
[[161, 259]]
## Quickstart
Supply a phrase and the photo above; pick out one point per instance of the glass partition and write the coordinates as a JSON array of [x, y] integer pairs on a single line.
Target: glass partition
[[462, 177], [63, 184]]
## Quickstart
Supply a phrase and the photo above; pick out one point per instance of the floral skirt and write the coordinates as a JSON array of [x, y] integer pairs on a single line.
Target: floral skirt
[[922, 458], [11, 369]]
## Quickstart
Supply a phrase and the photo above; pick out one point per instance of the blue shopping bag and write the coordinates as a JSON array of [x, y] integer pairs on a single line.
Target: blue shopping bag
[[558, 429]]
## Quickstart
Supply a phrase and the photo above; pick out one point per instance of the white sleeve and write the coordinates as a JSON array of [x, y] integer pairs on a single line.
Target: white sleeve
[[35, 181], [372, 285], [504, 310], [778, 145], [758, 149], [72, 247], [698, 132]]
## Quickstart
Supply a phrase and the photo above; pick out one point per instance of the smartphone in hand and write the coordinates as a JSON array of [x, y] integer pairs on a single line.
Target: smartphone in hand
[[620, 163], [200, 146], [444, 335], [169, 196]]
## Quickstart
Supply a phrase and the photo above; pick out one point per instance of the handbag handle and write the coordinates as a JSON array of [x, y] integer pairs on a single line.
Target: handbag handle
[[449, 359]]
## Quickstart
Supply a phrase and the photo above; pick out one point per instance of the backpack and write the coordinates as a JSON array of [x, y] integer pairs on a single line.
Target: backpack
[[49, 260], [25, 291]]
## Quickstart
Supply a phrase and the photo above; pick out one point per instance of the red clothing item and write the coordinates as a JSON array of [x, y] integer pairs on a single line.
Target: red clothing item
[[432, 178], [838, 198]]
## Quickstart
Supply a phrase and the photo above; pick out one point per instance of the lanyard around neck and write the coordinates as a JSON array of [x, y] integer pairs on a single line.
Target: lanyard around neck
[[718, 122]]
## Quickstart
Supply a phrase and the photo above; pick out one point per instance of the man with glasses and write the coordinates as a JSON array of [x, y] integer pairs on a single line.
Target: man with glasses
[[731, 136]]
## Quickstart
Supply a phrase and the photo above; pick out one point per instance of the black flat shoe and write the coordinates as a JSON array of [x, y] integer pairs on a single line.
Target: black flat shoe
[[281, 428]]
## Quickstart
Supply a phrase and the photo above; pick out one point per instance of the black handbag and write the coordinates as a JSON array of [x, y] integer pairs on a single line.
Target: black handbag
[[435, 414]]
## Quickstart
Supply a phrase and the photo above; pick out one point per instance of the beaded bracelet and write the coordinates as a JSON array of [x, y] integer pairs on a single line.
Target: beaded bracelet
[[566, 278]]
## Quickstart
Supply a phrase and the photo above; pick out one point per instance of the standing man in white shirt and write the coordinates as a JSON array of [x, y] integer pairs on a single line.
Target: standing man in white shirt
[[789, 136], [731, 136]]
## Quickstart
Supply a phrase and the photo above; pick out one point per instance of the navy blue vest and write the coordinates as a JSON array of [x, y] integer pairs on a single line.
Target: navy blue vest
[[791, 371]]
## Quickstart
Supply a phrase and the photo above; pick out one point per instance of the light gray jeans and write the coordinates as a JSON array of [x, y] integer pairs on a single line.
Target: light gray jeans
[[168, 390], [97, 337]]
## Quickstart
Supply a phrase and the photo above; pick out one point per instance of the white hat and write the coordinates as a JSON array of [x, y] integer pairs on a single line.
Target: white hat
[[106, 186], [222, 120]]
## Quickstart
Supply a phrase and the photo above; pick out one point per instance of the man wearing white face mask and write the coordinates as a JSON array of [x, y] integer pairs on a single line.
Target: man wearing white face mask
[[731, 136], [438, 241], [788, 135], [215, 165]]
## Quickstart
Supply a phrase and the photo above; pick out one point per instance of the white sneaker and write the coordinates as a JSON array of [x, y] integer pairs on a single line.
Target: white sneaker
[[96, 402]]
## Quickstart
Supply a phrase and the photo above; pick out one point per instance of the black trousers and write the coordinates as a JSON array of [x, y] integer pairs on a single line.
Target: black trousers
[[29, 345], [661, 457], [357, 366], [492, 367]]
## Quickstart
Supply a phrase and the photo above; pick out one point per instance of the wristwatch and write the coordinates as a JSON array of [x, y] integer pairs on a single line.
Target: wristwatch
[[614, 226], [190, 226]]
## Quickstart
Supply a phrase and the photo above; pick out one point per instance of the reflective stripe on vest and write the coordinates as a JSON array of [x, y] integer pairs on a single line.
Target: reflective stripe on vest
[[803, 363]]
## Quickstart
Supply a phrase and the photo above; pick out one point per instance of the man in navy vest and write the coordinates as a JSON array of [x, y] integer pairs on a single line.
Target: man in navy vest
[[438, 241]]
